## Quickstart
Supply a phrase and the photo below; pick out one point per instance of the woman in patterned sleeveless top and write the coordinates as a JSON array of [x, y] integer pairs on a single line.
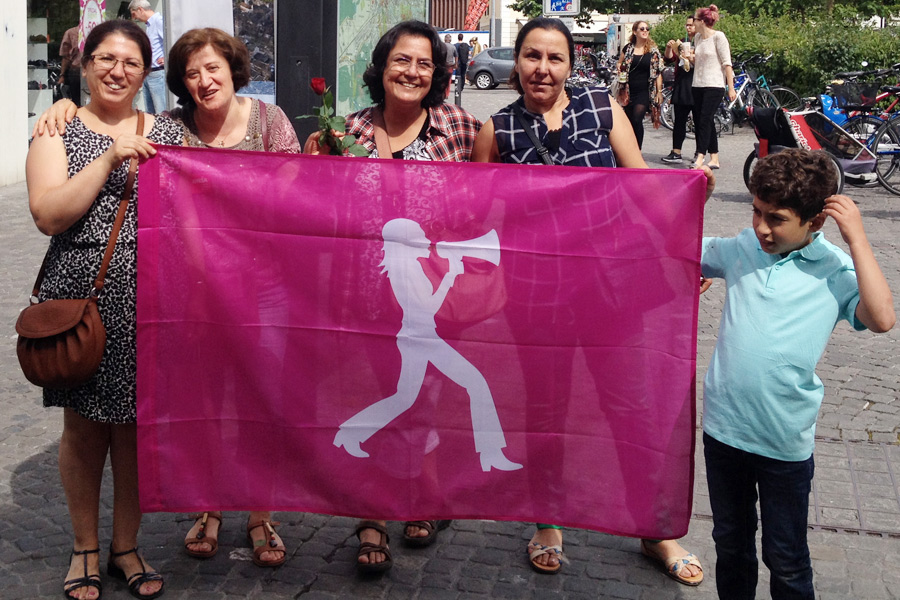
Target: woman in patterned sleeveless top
[[579, 128], [75, 184], [205, 69]]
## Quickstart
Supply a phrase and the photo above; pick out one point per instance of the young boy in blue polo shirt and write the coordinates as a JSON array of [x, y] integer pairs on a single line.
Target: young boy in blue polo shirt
[[786, 289]]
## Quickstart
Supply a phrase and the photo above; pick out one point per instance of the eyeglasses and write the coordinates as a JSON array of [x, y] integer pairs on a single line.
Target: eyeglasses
[[403, 63], [105, 62], [643, 29]]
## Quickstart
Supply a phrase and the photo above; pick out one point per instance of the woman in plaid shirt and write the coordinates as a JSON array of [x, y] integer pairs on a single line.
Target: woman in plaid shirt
[[406, 80]]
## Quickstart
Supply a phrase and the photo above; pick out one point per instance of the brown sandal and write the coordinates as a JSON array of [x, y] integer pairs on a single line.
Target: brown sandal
[[270, 544], [431, 527], [369, 547], [202, 538]]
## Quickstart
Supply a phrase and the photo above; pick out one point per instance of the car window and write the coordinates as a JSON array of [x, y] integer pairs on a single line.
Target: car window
[[504, 54]]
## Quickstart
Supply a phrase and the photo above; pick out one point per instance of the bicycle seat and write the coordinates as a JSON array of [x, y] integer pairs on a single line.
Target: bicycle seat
[[890, 89]]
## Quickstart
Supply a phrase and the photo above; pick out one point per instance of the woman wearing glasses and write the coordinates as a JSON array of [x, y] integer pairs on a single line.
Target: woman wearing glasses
[[206, 67], [409, 121], [75, 183], [642, 63]]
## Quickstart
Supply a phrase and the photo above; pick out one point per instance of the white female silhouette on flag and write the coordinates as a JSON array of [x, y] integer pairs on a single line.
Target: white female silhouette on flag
[[419, 344]]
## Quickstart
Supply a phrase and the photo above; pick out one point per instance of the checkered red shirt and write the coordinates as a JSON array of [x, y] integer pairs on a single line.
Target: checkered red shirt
[[450, 136]]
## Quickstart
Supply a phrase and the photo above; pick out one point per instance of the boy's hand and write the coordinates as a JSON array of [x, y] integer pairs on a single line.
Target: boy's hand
[[705, 284], [845, 213], [876, 304]]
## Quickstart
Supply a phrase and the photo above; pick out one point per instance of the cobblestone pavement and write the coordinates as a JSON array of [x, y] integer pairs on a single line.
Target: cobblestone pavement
[[854, 514]]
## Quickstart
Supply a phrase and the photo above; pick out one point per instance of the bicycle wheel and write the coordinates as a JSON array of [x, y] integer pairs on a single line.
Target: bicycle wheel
[[667, 110], [887, 154], [724, 119], [840, 172], [787, 98], [748, 167], [763, 99], [863, 128]]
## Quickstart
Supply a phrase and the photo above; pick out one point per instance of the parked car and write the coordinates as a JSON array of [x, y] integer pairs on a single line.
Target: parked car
[[491, 67]]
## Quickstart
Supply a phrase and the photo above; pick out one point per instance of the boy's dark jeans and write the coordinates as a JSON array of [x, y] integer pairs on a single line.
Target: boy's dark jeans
[[733, 477]]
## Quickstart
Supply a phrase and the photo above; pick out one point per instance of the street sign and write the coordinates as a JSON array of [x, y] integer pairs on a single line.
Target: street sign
[[560, 8]]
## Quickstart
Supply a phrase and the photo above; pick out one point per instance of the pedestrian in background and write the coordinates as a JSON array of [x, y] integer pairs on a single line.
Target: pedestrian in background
[[713, 77], [451, 62], [475, 46], [155, 84], [679, 54], [462, 63], [70, 69], [642, 62]]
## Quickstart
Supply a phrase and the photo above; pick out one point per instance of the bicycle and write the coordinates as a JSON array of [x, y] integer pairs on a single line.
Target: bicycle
[[854, 106], [785, 96], [886, 147]]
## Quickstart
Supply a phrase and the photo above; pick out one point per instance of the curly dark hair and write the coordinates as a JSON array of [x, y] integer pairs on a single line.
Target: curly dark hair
[[372, 78], [128, 29], [231, 48], [539, 23], [797, 179]]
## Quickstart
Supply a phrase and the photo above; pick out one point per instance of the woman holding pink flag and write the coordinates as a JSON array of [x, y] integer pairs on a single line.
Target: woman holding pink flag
[[205, 69], [409, 121], [552, 125], [75, 185]]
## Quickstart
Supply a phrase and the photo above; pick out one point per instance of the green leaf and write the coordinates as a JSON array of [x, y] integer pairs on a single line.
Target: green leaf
[[337, 123], [357, 150], [328, 100]]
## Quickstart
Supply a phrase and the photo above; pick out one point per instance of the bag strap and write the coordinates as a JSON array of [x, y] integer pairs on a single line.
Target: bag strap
[[114, 234], [382, 143], [264, 125], [542, 150]]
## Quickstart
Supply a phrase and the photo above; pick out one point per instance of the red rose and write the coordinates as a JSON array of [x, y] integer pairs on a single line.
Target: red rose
[[318, 85]]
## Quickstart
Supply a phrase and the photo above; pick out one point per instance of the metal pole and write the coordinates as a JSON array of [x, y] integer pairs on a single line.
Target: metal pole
[[496, 22]]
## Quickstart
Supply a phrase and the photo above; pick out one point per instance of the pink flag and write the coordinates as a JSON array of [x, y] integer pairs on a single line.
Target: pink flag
[[410, 340]]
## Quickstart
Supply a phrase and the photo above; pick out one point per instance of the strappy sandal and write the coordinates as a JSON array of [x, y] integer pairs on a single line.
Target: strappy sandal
[[538, 550], [93, 581], [269, 544], [369, 547], [136, 580], [202, 538], [673, 566], [432, 527]]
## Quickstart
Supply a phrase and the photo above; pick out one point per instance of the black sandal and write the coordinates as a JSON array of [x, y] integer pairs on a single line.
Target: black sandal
[[369, 547], [432, 527], [87, 581], [136, 580]]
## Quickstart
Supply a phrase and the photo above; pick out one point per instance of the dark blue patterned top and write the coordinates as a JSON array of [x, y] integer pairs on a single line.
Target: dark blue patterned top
[[584, 138]]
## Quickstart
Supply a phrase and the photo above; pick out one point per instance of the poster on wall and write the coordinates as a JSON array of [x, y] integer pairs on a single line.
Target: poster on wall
[[91, 15], [360, 24]]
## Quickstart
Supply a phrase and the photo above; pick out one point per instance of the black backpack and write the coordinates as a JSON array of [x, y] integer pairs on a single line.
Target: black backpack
[[462, 52]]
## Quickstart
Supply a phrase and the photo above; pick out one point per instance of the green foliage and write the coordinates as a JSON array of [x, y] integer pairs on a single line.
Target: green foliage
[[806, 50]]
